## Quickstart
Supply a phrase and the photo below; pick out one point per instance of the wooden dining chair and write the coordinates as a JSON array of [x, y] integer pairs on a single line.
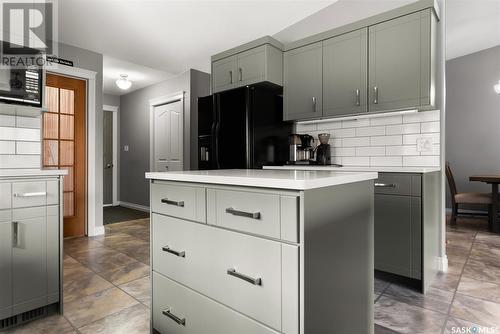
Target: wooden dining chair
[[463, 198]]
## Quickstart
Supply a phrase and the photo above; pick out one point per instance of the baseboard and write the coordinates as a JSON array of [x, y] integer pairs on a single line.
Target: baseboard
[[469, 212], [443, 264], [106, 205], [98, 230], [134, 206]]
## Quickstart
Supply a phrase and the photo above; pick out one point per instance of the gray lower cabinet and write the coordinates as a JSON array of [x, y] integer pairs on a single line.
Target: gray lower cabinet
[[345, 74], [303, 88], [5, 268], [400, 56]]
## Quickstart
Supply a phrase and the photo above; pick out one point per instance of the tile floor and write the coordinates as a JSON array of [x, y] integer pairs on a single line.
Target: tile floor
[[107, 286]]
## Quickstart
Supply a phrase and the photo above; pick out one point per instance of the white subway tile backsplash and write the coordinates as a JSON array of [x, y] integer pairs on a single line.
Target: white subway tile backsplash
[[342, 133], [335, 142], [356, 161], [370, 151], [7, 120], [423, 116], [356, 123], [329, 125], [398, 119], [401, 129], [7, 147], [7, 133], [412, 139], [430, 127], [421, 161], [401, 150], [344, 151], [356, 141], [386, 140], [435, 150], [28, 122], [386, 161], [370, 131], [23, 147], [305, 127], [20, 161]]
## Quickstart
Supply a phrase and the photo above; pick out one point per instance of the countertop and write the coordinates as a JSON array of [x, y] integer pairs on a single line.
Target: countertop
[[281, 179], [32, 173], [421, 170]]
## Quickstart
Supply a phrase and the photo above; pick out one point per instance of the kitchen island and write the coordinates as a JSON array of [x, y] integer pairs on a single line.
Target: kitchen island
[[258, 251]]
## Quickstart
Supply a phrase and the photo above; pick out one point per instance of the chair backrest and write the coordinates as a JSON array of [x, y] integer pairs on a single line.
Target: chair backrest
[[451, 181]]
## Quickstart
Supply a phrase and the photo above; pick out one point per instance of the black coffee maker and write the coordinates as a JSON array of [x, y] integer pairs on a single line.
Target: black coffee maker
[[323, 150]]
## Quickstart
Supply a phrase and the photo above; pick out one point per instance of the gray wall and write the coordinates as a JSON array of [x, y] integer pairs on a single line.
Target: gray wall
[[111, 100], [134, 131], [473, 117]]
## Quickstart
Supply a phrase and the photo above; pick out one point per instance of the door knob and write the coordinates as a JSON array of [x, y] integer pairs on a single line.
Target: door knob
[[109, 166]]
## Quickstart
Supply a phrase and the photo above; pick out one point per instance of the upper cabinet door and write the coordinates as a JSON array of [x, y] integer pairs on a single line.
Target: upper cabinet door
[[400, 63], [303, 82], [224, 74], [345, 59], [251, 66]]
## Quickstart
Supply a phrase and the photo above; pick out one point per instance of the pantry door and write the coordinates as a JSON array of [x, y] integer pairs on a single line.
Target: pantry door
[[64, 145]]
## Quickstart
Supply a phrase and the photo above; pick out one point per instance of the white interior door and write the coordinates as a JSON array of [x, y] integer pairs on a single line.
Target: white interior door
[[168, 137]]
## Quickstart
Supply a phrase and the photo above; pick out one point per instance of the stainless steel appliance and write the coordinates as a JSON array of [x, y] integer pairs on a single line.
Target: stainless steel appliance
[[21, 86], [323, 156], [301, 148]]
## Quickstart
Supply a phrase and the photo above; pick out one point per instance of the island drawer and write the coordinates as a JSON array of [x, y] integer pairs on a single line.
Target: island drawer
[[267, 214], [180, 310], [35, 193], [182, 201], [238, 270], [398, 184]]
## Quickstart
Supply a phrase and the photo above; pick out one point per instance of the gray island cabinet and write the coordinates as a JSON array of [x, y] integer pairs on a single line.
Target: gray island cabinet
[[259, 251]]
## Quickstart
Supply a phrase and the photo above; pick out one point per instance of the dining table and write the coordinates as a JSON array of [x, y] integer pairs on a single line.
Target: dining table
[[494, 181]]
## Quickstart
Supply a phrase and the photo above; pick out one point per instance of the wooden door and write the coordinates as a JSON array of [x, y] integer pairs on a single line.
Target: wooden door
[[168, 137], [302, 82], [345, 65], [64, 145]]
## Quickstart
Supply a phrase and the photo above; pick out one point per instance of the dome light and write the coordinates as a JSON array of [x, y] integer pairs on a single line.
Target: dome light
[[123, 83]]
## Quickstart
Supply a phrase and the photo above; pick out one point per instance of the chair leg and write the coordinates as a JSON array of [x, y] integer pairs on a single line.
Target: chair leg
[[490, 218], [454, 213]]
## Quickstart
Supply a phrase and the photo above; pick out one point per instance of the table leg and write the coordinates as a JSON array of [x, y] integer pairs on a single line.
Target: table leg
[[494, 208]]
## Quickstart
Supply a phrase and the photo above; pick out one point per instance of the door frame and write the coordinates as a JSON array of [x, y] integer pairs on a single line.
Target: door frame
[[158, 101], [114, 110], [94, 217]]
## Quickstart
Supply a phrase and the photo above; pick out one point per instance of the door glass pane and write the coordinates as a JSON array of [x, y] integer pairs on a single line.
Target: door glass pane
[[67, 101], [52, 97], [50, 126], [67, 153], [50, 156], [69, 204], [67, 126], [68, 179]]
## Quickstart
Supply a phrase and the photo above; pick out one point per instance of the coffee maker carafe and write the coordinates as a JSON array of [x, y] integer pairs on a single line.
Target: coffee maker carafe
[[301, 149], [323, 150]]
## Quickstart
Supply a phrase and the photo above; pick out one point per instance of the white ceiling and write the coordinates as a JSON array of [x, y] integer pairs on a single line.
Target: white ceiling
[[471, 26], [172, 36]]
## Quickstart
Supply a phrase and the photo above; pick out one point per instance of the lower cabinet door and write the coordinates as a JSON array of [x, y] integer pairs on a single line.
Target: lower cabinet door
[[29, 264], [179, 310], [5, 269]]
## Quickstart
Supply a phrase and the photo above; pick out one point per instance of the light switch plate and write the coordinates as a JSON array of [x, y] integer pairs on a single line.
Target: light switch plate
[[125, 148], [424, 144]]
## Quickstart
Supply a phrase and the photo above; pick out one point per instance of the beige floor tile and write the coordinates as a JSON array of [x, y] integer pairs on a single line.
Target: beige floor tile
[[446, 281], [126, 273], [479, 289], [139, 289], [84, 285], [483, 270], [103, 259], [435, 299], [476, 310], [132, 320]]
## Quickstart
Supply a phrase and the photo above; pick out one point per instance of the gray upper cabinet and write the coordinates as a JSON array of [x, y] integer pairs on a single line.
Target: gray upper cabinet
[[345, 74], [258, 64], [303, 89], [400, 63]]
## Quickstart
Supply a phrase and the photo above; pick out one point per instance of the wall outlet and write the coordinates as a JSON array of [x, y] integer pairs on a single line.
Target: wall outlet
[[125, 148], [424, 144]]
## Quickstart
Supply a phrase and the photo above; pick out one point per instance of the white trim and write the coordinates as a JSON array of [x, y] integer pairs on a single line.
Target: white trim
[[135, 206], [157, 102], [443, 264], [94, 216], [116, 147], [107, 205]]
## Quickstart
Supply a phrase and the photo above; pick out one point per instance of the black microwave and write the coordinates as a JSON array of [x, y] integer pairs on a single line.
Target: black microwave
[[21, 86]]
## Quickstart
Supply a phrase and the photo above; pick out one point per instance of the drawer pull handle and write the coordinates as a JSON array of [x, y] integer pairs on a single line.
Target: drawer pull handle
[[37, 194], [15, 234], [171, 251], [168, 313], [167, 201], [253, 215], [254, 281], [385, 185]]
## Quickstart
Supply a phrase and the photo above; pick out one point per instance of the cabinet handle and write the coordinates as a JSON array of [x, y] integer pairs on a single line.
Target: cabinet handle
[[171, 251], [36, 194], [241, 74], [254, 281], [15, 234], [253, 215], [230, 76], [385, 185], [358, 101], [314, 103], [170, 202], [168, 313], [375, 99]]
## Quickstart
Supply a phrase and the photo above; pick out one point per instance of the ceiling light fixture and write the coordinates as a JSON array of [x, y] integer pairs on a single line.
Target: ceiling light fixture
[[123, 83], [497, 87]]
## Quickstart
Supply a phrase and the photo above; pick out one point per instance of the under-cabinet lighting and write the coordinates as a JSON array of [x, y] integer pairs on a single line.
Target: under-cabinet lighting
[[349, 118]]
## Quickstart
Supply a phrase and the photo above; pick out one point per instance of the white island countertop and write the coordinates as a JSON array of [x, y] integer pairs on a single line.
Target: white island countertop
[[32, 173], [281, 179], [417, 170]]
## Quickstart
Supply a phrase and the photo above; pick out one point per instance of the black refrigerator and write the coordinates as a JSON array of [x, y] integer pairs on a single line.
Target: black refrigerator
[[243, 128]]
